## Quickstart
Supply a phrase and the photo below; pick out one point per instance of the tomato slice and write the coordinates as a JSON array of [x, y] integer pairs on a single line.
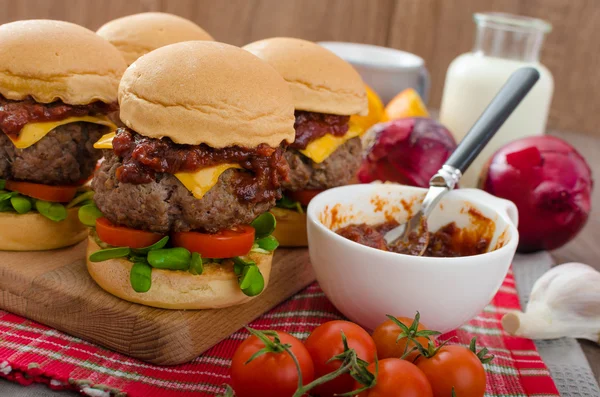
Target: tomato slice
[[121, 236], [303, 196], [58, 194], [223, 244]]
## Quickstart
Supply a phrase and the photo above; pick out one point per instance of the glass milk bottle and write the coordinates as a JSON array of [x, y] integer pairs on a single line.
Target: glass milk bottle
[[503, 43]]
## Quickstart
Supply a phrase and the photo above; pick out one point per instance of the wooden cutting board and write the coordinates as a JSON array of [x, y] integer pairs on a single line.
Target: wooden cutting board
[[54, 288]]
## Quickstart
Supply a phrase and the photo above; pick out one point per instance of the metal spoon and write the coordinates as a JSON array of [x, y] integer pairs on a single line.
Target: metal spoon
[[504, 103]]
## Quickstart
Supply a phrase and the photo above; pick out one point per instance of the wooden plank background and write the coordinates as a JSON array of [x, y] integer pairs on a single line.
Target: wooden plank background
[[437, 30]]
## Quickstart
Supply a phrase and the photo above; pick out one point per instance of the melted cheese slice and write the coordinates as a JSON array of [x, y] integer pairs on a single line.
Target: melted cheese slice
[[33, 132], [201, 181], [320, 149], [198, 182], [105, 142]]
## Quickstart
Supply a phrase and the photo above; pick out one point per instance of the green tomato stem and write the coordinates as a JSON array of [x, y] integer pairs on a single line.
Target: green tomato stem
[[304, 389]]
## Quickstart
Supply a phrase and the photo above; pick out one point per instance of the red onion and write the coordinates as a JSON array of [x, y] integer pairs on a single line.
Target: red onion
[[550, 183], [408, 151]]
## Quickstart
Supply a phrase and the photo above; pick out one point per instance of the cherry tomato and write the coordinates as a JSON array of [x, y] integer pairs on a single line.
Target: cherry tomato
[[454, 366], [326, 341], [303, 196], [223, 244], [58, 194], [386, 335], [397, 378], [271, 374], [121, 236]]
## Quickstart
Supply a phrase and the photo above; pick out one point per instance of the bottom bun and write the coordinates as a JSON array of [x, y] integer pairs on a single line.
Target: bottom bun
[[291, 227], [35, 232], [216, 287]]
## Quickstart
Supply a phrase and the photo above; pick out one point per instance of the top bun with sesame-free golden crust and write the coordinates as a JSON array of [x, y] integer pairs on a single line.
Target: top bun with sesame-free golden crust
[[51, 60], [206, 92], [138, 34], [320, 81]]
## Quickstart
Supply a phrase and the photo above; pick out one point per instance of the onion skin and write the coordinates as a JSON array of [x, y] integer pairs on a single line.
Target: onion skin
[[551, 185], [407, 151]]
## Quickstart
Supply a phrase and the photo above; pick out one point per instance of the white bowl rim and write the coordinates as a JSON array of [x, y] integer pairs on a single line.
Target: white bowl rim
[[392, 53], [386, 256]]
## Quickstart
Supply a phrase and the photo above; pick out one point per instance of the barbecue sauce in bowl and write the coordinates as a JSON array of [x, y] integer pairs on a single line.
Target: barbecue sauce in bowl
[[448, 241]]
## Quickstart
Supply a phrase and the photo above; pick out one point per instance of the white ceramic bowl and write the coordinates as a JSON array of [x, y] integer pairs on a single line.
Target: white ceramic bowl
[[365, 284]]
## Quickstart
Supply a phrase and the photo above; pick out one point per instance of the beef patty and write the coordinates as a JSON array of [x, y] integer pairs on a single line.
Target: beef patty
[[337, 170], [165, 205], [63, 157]]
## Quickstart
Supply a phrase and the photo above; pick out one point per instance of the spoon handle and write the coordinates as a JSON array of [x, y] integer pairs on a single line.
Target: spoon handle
[[504, 103]]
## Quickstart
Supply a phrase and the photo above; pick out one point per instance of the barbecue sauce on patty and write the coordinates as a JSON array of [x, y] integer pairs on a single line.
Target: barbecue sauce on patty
[[310, 126], [144, 157], [14, 115]]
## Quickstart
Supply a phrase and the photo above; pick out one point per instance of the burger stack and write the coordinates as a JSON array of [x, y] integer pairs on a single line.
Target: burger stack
[[327, 150], [58, 85], [209, 153]]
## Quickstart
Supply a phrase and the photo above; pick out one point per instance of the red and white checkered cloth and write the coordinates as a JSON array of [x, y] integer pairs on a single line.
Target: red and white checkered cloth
[[31, 352]]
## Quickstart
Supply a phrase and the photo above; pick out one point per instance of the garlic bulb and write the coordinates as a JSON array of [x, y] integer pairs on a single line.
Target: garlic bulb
[[565, 301]]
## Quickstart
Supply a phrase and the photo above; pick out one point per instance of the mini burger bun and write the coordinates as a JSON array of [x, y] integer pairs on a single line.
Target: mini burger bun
[[206, 92], [35, 232], [51, 60], [215, 288], [138, 34], [291, 227], [320, 81]]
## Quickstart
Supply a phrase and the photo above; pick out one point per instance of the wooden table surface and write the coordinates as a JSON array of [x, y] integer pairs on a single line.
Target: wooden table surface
[[585, 248]]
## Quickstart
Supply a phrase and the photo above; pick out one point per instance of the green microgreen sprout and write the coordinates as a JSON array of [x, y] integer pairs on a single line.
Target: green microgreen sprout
[[288, 203], [21, 204], [170, 258], [110, 253], [140, 276], [80, 198], [196, 264], [250, 279], [156, 246], [53, 211], [264, 225], [88, 214]]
